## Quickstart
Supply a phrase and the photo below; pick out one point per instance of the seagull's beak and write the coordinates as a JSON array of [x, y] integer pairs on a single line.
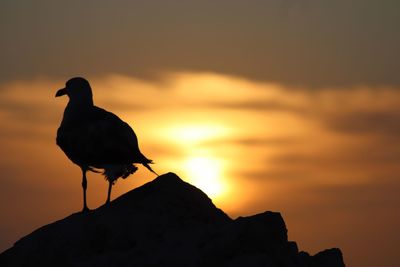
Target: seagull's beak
[[61, 92]]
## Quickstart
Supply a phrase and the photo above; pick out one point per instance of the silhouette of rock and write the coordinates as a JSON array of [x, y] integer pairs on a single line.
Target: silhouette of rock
[[166, 222]]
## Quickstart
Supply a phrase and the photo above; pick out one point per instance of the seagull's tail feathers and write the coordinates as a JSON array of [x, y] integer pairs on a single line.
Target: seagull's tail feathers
[[146, 164]]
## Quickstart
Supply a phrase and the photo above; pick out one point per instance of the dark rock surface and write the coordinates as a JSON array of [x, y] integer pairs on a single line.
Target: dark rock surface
[[166, 222]]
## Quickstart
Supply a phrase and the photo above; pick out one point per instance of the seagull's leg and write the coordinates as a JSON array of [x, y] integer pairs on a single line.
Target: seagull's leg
[[84, 186], [110, 183]]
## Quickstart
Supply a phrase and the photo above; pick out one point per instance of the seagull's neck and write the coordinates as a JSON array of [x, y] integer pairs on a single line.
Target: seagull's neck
[[75, 113], [77, 109], [80, 103]]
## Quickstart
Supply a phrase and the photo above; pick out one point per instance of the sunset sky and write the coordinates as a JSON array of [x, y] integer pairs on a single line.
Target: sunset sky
[[289, 106]]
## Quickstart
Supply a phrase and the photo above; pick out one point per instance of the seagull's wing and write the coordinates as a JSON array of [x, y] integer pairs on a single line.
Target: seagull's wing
[[113, 139], [101, 139]]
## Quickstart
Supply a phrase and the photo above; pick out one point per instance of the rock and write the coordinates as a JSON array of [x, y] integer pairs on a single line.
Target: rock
[[166, 222], [328, 258]]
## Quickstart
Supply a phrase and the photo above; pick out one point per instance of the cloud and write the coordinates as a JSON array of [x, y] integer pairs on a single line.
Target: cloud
[[260, 105], [385, 123], [253, 142], [277, 174], [374, 194], [29, 113], [33, 134]]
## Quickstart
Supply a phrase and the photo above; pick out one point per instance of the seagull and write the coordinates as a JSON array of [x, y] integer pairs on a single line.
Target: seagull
[[95, 139]]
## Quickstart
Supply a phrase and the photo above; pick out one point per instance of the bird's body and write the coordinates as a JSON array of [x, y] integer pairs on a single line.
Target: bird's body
[[94, 138], [97, 138]]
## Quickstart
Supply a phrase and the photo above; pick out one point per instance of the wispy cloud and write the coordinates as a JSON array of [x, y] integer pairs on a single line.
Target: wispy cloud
[[385, 123], [260, 105]]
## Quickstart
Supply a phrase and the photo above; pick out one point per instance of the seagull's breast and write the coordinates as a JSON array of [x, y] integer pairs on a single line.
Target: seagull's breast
[[76, 143]]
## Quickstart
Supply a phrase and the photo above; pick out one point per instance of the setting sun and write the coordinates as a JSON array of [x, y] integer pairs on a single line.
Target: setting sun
[[206, 174]]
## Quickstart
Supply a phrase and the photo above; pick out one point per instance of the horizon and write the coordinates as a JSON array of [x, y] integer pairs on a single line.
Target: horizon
[[275, 106]]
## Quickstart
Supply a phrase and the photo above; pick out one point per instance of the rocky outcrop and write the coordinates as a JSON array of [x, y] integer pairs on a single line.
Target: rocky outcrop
[[166, 222]]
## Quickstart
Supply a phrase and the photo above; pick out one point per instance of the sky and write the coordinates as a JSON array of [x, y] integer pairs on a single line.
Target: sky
[[290, 106]]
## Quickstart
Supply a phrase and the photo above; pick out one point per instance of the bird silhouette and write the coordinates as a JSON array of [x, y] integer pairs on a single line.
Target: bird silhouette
[[95, 139]]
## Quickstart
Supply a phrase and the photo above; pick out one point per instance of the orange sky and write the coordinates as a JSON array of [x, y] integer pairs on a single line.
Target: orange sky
[[290, 106], [326, 159]]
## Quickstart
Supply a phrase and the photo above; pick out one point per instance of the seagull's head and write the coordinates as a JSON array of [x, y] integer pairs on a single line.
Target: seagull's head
[[76, 89]]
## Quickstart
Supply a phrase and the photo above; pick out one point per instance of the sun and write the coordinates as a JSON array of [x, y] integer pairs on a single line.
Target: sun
[[200, 165], [206, 174]]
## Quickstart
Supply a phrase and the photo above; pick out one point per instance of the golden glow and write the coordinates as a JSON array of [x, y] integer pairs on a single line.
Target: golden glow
[[206, 174], [249, 146], [201, 167], [191, 134]]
